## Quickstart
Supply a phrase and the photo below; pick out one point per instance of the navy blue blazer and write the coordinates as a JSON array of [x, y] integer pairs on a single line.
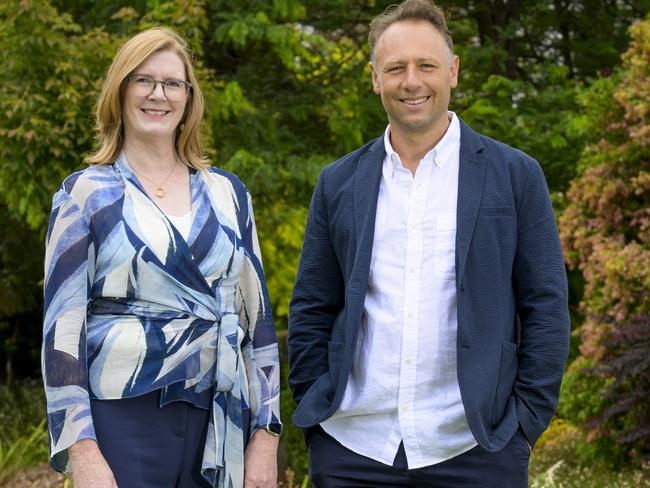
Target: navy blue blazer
[[513, 321]]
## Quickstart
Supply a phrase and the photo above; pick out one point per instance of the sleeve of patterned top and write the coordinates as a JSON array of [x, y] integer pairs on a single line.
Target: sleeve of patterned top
[[259, 347], [69, 265]]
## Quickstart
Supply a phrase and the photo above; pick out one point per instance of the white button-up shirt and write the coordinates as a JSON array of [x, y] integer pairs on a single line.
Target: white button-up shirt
[[403, 385]]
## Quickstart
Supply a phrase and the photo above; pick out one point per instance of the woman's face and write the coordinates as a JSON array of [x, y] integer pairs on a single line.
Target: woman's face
[[152, 115]]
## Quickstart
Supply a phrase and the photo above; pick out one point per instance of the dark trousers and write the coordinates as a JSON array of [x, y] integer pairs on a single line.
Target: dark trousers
[[151, 447], [332, 465]]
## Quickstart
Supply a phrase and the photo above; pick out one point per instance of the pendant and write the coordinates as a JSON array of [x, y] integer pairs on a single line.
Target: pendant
[[160, 192]]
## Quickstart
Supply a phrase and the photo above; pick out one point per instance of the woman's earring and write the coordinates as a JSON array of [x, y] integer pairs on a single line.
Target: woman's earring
[[181, 127]]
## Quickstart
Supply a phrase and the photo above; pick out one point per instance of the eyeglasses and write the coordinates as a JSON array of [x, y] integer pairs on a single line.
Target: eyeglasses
[[174, 90]]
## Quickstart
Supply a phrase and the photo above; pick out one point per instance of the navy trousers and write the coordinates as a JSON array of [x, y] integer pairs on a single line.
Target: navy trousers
[[151, 447], [332, 465]]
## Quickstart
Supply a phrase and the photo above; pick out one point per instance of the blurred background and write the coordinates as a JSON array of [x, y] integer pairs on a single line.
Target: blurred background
[[288, 91]]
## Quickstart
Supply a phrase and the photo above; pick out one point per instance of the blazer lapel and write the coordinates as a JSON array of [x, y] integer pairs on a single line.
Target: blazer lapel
[[471, 178], [366, 190]]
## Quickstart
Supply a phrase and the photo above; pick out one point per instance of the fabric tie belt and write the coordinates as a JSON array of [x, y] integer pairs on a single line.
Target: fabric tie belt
[[223, 455]]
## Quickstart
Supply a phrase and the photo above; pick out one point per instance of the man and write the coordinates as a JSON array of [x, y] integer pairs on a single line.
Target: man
[[428, 328]]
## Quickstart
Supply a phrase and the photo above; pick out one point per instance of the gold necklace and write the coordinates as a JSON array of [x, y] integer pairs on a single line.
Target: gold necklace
[[159, 191]]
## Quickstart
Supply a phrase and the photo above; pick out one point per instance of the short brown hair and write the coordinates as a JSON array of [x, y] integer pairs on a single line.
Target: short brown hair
[[413, 10], [108, 112]]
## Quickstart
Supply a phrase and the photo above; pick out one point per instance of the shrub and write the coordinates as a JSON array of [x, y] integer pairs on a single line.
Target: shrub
[[561, 459], [581, 394], [23, 451], [23, 434], [292, 440], [605, 231], [629, 364], [22, 406]]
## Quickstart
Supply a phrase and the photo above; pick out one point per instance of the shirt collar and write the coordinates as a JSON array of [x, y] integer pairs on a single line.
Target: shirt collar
[[439, 155]]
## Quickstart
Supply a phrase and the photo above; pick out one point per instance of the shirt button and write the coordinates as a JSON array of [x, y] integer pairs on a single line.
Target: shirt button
[[408, 361]]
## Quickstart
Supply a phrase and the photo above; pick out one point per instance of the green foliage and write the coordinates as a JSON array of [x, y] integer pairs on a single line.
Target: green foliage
[[283, 246], [300, 104], [536, 120], [564, 458], [49, 83], [21, 405], [15, 299], [627, 361], [23, 436], [582, 402], [288, 91], [581, 392], [292, 439], [605, 230], [523, 65], [598, 109], [292, 481], [24, 451], [560, 475]]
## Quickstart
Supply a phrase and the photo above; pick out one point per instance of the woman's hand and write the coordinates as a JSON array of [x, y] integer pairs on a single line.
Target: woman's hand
[[261, 461], [89, 468]]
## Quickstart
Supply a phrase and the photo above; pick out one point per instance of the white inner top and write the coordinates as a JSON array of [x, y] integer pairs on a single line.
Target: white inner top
[[183, 223]]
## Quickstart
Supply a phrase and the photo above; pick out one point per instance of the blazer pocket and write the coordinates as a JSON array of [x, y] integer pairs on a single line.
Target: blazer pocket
[[506, 210], [506, 380]]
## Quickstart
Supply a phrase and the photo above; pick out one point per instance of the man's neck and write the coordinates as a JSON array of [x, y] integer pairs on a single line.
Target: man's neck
[[412, 146]]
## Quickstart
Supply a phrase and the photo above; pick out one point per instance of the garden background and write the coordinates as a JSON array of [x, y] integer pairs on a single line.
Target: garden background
[[288, 91]]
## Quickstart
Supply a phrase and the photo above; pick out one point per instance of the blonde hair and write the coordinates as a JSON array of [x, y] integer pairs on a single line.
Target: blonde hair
[[108, 111]]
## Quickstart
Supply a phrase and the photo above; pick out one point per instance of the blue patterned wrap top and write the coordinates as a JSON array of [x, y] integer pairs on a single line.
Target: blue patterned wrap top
[[131, 307]]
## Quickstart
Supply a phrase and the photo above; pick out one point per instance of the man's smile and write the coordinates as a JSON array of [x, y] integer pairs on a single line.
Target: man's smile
[[415, 101]]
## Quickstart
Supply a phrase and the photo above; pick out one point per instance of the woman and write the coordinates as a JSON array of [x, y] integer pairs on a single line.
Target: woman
[[160, 361]]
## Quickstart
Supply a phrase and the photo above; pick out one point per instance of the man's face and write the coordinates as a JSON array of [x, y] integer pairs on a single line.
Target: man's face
[[414, 72]]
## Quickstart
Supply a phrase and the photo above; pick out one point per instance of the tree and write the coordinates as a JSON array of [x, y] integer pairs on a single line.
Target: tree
[[288, 91], [606, 232], [47, 90], [522, 64]]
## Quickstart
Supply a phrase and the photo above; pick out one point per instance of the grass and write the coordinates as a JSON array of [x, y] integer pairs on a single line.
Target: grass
[[23, 451]]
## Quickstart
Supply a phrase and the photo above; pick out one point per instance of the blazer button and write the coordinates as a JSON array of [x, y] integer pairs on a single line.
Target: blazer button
[[462, 287]]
